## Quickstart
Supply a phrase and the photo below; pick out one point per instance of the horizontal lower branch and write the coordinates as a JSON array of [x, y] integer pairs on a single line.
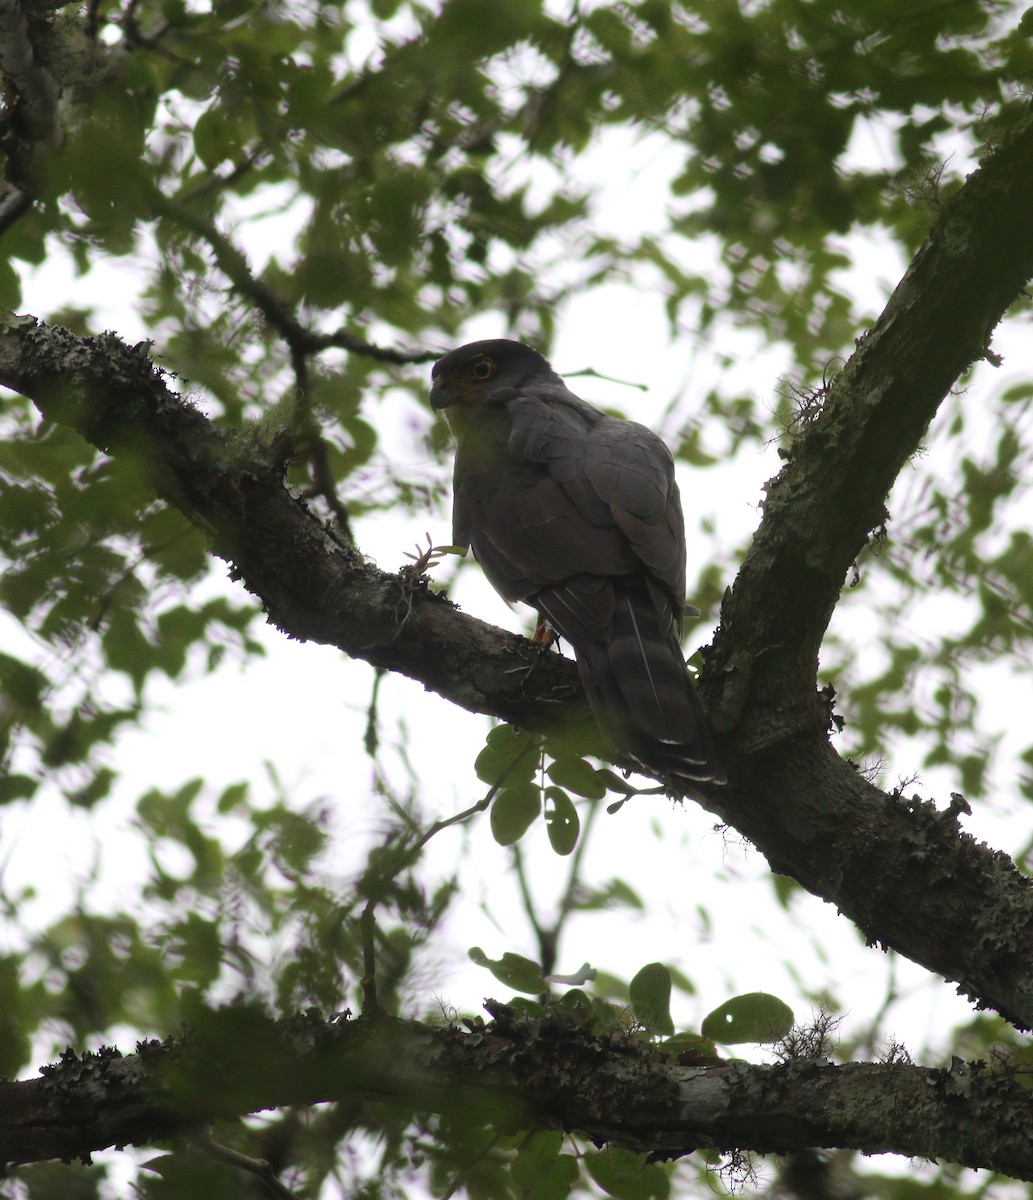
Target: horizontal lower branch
[[518, 1072]]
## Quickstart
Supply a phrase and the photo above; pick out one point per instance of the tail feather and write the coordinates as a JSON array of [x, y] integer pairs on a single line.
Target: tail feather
[[638, 684]]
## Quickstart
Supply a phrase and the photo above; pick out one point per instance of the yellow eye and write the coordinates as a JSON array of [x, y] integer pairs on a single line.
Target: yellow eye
[[482, 369]]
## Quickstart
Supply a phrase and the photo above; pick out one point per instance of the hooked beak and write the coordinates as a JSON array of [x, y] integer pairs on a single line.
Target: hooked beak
[[440, 397]]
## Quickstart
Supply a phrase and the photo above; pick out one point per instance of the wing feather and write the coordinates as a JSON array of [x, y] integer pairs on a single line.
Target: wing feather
[[578, 513]]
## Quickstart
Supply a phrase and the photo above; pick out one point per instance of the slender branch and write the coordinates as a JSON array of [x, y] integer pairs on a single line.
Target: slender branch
[[548, 936], [13, 207], [367, 929], [543, 936], [820, 509], [391, 867], [258, 1167], [234, 265], [566, 905]]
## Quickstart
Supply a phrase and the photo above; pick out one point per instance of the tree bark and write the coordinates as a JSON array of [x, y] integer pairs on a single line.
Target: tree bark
[[518, 1072], [903, 872]]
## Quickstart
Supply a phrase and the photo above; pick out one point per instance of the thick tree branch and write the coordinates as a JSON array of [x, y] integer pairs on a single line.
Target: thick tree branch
[[522, 1073], [821, 507], [905, 874], [314, 586], [907, 877]]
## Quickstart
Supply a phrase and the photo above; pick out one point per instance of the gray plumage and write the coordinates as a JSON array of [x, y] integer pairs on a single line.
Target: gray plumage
[[578, 514]]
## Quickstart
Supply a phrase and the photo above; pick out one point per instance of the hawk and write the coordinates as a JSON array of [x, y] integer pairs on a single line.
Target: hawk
[[577, 514]]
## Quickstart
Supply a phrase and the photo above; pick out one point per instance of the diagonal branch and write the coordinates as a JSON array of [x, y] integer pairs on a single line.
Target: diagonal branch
[[821, 507], [905, 874], [517, 1072], [314, 587], [234, 265], [889, 864]]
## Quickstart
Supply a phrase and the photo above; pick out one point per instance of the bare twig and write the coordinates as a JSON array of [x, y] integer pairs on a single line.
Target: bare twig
[[13, 207], [234, 265], [258, 1167], [367, 922]]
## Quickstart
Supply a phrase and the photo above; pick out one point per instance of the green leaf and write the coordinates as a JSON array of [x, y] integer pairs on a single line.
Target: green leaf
[[627, 1175], [233, 797], [539, 1169], [613, 782], [513, 970], [561, 820], [513, 811], [213, 138], [510, 757], [16, 787], [579, 776], [650, 993], [752, 1017], [616, 894]]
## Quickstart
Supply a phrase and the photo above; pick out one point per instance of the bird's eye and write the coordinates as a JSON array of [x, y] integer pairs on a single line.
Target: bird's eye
[[482, 369]]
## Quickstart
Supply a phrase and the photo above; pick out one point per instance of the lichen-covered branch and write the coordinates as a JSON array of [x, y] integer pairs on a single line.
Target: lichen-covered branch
[[908, 876], [314, 585], [523, 1073], [830, 495]]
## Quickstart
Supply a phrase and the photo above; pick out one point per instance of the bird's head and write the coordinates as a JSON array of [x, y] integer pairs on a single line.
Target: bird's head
[[480, 372]]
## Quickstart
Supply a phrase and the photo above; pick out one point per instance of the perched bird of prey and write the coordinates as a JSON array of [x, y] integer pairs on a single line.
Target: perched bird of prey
[[577, 513]]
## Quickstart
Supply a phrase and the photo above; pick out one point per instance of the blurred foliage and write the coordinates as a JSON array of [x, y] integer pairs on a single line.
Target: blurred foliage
[[293, 188]]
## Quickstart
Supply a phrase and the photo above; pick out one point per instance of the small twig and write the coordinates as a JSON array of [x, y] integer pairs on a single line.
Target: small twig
[[367, 928], [592, 373], [566, 905], [258, 1167], [342, 340], [13, 207], [323, 480], [467, 813], [216, 182], [234, 265], [367, 922], [371, 737], [309, 436], [546, 938]]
